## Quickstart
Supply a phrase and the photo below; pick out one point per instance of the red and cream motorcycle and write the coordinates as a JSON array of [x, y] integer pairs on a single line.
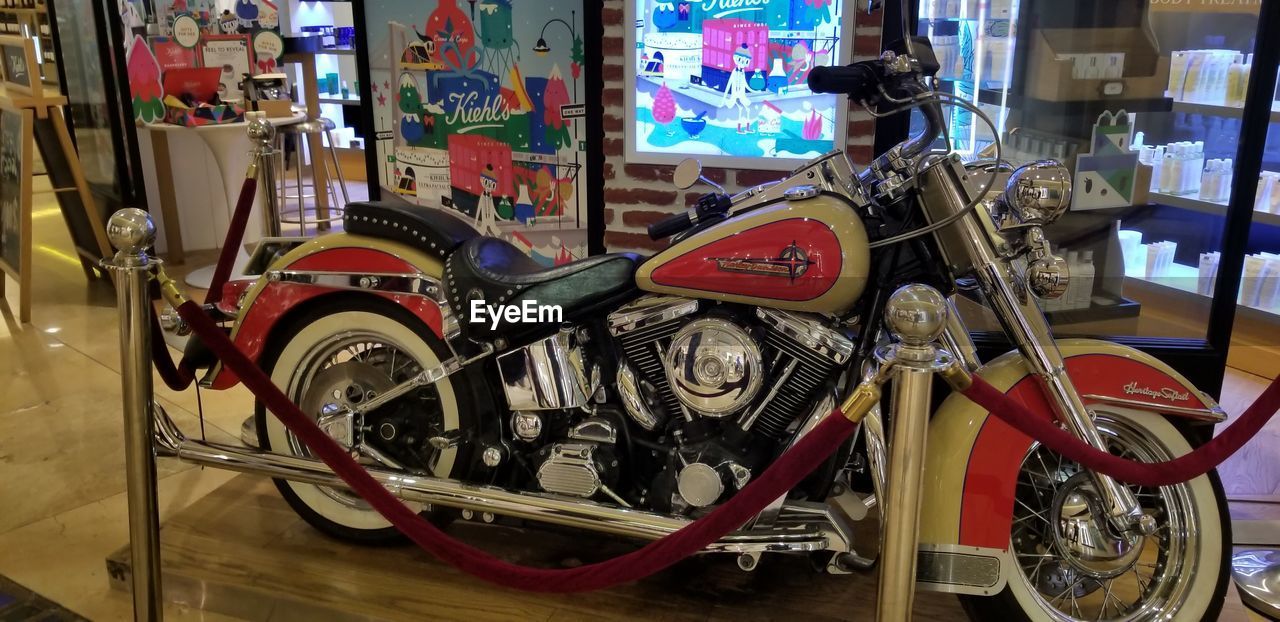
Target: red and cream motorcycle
[[657, 387]]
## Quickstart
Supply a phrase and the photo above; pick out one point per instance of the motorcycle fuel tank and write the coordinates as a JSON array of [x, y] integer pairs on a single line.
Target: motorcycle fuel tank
[[803, 255]]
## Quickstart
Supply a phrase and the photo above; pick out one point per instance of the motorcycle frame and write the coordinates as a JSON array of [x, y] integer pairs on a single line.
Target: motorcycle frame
[[323, 267]]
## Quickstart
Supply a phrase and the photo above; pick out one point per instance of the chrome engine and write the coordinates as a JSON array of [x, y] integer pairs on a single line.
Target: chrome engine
[[717, 367], [719, 389], [714, 367]]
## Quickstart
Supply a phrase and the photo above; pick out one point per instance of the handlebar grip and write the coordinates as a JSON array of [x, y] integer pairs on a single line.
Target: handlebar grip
[[858, 81], [670, 226]]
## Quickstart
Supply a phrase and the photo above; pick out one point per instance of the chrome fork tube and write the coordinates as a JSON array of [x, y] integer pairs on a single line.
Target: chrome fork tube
[[956, 339], [1024, 322]]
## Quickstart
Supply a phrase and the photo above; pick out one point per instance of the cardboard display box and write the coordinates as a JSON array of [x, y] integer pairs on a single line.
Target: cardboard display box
[[1052, 74]]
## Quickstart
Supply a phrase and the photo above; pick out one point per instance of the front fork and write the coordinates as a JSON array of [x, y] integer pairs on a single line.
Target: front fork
[[970, 246], [1027, 326]]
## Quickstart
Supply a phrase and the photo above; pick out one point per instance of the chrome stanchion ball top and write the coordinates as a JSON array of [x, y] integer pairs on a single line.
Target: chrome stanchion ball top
[[916, 315], [131, 231]]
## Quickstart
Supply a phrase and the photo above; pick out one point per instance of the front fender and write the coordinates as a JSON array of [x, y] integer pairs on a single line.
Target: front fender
[[972, 466], [268, 301]]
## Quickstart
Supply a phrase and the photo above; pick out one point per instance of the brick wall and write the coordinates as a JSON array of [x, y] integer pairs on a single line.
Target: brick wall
[[636, 195]]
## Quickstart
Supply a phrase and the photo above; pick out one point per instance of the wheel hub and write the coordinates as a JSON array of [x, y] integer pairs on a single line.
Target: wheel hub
[[336, 392], [1083, 534]]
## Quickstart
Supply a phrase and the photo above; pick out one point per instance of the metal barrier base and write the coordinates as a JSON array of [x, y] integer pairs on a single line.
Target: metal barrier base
[[241, 551], [1257, 577]]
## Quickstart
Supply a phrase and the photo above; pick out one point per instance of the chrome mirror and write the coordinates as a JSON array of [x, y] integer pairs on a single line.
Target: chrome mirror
[[1037, 195], [688, 172]]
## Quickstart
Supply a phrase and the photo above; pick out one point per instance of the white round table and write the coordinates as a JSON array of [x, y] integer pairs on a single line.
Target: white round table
[[232, 151]]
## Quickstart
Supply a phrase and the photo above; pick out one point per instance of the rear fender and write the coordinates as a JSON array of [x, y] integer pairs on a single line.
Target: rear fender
[[329, 265], [971, 469]]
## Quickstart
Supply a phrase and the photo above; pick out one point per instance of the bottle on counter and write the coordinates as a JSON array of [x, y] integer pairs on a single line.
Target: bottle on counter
[[1084, 273]]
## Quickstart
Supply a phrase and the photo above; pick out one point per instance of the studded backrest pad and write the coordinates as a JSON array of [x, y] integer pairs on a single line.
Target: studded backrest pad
[[435, 231]]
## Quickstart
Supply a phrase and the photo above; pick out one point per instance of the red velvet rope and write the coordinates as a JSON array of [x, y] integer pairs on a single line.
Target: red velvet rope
[[1182, 469], [177, 376], [779, 478], [235, 237]]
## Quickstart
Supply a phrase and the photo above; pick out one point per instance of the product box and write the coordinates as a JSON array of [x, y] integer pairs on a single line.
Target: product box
[[471, 155], [178, 113], [1053, 72], [721, 38]]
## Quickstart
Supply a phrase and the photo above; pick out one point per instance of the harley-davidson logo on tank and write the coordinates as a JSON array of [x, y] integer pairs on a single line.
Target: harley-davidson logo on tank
[[785, 256], [479, 110], [792, 263]]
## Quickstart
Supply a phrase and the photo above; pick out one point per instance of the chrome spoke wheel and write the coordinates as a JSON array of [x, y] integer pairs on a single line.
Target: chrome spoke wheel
[[343, 372], [1074, 563]]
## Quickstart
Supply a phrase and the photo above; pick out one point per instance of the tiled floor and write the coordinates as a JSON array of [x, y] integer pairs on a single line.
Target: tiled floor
[[62, 508]]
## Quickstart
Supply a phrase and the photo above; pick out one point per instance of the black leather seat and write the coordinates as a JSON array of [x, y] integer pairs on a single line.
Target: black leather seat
[[498, 273], [435, 231]]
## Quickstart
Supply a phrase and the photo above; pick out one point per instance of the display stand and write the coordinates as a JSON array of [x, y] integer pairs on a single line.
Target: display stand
[[38, 121]]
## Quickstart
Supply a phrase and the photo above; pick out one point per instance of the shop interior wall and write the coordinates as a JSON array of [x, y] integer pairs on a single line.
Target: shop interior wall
[[636, 195]]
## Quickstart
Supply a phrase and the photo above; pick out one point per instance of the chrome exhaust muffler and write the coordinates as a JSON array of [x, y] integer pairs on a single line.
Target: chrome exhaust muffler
[[802, 527]]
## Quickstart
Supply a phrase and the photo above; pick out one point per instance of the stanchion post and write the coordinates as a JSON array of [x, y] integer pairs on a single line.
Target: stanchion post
[[132, 232], [916, 316], [263, 135]]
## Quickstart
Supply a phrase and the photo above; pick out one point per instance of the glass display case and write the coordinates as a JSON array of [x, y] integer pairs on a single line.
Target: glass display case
[[1160, 110]]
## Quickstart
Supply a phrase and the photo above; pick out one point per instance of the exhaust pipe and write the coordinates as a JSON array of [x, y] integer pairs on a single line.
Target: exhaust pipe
[[812, 526]]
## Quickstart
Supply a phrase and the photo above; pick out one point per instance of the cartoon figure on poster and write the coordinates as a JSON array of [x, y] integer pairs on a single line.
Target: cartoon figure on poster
[[734, 73], [410, 104], [476, 124], [486, 221], [735, 91], [247, 13]]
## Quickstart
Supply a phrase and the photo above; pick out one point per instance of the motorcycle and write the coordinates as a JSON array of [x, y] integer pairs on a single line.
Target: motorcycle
[[648, 390]]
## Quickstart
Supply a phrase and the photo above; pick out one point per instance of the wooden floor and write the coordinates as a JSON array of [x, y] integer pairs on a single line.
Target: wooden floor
[[241, 551]]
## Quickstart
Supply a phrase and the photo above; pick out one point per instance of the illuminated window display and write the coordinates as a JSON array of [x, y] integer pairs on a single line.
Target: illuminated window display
[[478, 108], [726, 80]]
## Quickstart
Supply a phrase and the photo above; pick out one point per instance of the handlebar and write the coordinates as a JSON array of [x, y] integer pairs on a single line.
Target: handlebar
[[671, 225], [875, 82], [859, 81]]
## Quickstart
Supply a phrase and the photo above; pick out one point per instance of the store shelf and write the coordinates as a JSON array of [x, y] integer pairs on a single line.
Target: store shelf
[[345, 101], [1210, 207], [1183, 279], [1081, 107], [337, 51], [24, 11], [1214, 110]]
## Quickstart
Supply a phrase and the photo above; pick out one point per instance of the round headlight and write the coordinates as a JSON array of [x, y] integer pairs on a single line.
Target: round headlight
[[1038, 194]]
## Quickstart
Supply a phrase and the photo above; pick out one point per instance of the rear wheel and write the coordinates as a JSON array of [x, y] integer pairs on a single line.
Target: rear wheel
[[336, 356], [1069, 564]]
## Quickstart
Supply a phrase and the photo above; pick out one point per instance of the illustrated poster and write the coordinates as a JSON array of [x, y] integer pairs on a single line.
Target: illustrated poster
[[726, 81], [479, 109], [232, 54], [196, 33]]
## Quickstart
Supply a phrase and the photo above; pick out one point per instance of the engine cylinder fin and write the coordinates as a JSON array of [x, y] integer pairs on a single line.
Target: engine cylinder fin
[[799, 387], [641, 348]]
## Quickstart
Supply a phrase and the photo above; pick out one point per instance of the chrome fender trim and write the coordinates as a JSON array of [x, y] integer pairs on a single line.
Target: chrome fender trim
[[956, 569]]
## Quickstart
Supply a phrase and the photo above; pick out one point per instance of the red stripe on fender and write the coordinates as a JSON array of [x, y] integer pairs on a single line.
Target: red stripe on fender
[[354, 260], [987, 506], [986, 511], [725, 266]]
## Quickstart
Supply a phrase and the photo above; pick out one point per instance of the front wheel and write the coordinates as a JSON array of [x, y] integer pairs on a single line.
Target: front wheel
[[1068, 564]]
